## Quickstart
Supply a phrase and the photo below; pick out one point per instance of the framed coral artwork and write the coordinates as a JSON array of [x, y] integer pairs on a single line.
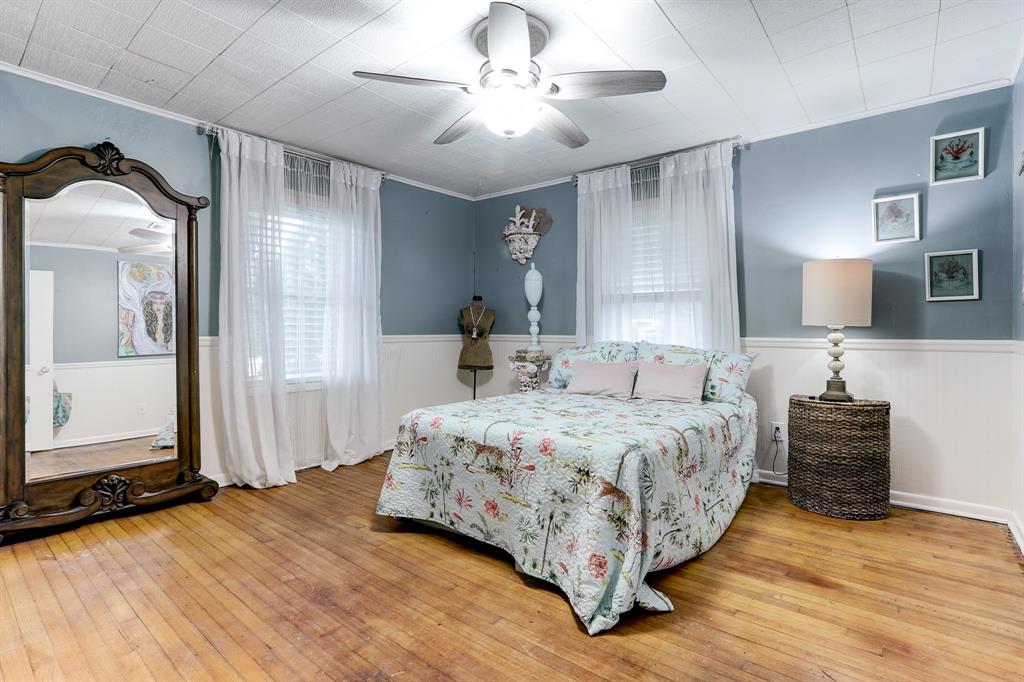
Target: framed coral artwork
[[896, 219], [957, 157], [952, 275]]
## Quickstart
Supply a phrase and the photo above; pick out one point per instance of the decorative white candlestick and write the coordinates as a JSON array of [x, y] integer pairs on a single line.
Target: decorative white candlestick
[[534, 288]]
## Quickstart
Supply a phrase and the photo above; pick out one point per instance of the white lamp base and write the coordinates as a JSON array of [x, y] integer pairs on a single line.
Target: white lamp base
[[835, 387]]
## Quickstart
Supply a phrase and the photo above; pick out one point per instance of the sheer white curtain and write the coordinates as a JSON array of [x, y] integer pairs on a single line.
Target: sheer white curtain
[[656, 252], [604, 217], [299, 311]]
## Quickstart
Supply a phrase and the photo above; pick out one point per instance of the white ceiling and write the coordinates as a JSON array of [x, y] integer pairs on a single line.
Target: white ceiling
[[282, 69], [90, 214]]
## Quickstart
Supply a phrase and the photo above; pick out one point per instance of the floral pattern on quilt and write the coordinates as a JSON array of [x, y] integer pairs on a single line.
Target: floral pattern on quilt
[[587, 492], [602, 351], [727, 372]]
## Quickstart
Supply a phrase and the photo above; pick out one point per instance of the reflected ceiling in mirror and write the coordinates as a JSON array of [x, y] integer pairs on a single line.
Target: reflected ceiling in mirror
[[99, 215]]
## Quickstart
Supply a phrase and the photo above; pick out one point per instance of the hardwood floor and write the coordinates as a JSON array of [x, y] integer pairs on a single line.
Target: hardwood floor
[[306, 582], [49, 463]]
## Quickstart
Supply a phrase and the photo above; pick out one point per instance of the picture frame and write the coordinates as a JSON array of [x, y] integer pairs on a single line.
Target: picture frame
[[952, 275], [896, 219], [958, 157]]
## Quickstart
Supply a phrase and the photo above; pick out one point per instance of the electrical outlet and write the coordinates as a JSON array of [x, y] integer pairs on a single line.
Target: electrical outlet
[[780, 433]]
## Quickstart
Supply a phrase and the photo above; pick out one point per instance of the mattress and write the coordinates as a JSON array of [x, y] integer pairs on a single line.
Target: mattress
[[587, 492]]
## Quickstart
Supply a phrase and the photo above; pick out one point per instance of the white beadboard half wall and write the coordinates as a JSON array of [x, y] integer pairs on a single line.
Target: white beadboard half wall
[[957, 432], [114, 400]]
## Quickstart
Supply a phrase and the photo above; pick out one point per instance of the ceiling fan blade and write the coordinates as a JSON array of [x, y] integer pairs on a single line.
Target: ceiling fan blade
[[151, 235], [408, 80], [560, 127], [508, 38], [146, 248], [459, 128], [587, 84]]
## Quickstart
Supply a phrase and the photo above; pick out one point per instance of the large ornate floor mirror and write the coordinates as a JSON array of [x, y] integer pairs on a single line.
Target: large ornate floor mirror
[[98, 339]]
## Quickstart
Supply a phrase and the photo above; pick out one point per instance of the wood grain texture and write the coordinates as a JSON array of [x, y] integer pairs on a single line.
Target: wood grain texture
[[306, 582]]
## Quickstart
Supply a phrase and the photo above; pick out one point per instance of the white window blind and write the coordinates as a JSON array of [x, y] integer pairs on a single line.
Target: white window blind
[[304, 225]]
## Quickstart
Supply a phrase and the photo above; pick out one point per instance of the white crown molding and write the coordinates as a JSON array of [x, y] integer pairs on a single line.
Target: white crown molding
[[524, 188], [432, 188], [906, 345]]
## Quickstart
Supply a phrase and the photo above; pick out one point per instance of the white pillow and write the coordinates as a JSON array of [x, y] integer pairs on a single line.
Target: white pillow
[[614, 379], [678, 383]]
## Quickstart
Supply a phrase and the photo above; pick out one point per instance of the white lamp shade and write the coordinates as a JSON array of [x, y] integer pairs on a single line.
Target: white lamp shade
[[837, 293]]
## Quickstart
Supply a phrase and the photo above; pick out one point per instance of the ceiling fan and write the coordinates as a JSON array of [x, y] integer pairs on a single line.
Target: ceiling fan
[[511, 94], [160, 236]]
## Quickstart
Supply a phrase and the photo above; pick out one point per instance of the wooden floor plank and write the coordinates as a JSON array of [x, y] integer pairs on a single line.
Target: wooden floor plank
[[306, 582]]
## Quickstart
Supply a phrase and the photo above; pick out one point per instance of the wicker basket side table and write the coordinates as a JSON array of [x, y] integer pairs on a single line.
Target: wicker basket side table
[[839, 457]]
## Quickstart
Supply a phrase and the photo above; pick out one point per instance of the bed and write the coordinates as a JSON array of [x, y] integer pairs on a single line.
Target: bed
[[587, 492]]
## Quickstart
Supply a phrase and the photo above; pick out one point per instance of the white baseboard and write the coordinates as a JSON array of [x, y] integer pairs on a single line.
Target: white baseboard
[[922, 502], [1016, 525], [106, 438]]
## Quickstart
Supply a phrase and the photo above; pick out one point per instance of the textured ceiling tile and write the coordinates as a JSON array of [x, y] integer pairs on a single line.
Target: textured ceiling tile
[[66, 40], [891, 42], [977, 15], [832, 97], [202, 109], [136, 9], [190, 24], [38, 58], [713, 26], [343, 58], [292, 33], [625, 23], [337, 18], [898, 79], [240, 13], [665, 53], [456, 59], [92, 18], [978, 57], [770, 102], [869, 16], [821, 64], [715, 113], [11, 49], [119, 84], [779, 15], [237, 77], [815, 35], [411, 27], [148, 71], [207, 88], [321, 82], [261, 56], [167, 49], [16, 21]]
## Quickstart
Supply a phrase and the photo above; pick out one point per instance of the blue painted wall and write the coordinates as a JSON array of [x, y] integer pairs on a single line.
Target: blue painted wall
[[36, 116], [808, 196], [427, 259], [84, 300], [1018, 208], [499, 279]]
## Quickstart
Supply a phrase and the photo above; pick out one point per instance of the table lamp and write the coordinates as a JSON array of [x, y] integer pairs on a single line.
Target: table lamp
[[837, 294]]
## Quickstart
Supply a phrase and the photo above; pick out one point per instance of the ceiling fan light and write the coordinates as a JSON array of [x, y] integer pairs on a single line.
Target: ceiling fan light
[[509, 110]]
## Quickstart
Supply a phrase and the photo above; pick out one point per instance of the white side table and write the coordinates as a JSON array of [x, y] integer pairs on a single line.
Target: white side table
[[527, 366]]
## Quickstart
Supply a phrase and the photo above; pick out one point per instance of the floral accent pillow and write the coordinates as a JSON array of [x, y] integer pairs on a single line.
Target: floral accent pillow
[[602, 351], [727, 372]]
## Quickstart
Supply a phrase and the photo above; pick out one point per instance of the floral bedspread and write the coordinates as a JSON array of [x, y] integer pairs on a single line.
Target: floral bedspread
[[588, 492]]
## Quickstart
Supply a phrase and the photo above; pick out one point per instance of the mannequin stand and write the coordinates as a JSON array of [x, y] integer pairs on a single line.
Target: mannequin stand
[[474, 383]]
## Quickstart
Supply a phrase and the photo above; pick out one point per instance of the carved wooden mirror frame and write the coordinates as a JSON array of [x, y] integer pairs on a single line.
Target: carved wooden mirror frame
[[34, 504]]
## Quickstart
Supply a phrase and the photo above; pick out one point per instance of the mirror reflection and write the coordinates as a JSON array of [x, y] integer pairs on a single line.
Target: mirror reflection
[[100, 332]]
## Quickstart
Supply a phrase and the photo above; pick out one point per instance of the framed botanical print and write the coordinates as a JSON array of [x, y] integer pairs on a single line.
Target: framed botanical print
[[957, 157], [896, 219], [952, 275]]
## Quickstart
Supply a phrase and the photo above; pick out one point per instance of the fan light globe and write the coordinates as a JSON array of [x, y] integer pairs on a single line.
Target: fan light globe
[[509, 110]]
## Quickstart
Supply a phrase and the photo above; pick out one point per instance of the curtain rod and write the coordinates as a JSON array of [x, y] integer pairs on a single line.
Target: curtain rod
[[210, 129], [736, 140]]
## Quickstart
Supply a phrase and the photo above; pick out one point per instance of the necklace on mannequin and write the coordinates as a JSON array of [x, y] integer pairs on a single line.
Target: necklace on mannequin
[[476, 320]]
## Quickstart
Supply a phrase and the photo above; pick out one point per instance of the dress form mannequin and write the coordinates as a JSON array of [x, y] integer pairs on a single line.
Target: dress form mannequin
[[476, 320]]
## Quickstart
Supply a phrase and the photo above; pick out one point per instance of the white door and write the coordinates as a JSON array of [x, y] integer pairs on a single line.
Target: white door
[[39, 370]]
